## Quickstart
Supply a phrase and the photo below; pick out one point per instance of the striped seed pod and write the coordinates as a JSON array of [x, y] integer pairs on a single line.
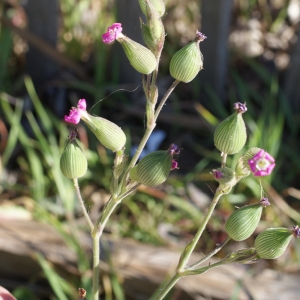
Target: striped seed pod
[[188, 61], [242, 222], [140, 57], [158, 5], [273, 242], [73, 163], [108, 133], [230, 135]]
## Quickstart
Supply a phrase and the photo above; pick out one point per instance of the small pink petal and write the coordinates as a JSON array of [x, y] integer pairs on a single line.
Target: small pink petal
[[252, 165], [269, 157], [112, 33], [108, 37], [174, 165], [259, 155], [73, 117], [82, 104]]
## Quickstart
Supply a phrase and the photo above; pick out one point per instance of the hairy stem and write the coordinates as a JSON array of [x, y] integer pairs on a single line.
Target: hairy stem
[[81, 202], [168, 287]]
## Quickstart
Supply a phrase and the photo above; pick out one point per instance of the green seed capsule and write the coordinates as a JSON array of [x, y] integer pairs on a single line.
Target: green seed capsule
[[158, 5], [141, 58], [108, 133], [241, 223], [73, 163], [188, 61], [272, 242], [154, 168], [230, 135]]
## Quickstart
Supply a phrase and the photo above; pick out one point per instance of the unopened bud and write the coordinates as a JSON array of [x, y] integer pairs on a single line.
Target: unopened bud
[[73, 163], [158, 5], [273, 242], [230, 135], [242, 222], [188, 61], [154, 168]]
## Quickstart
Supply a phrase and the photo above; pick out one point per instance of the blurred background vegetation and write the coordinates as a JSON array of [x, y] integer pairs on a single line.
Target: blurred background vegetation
[[51, 55]]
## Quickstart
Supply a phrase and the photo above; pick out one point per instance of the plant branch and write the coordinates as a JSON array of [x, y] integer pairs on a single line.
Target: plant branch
[[165, 98], [208, 256], [191, 246]]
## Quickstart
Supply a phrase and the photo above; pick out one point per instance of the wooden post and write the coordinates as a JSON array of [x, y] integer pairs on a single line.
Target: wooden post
[[215, 15], [292, 77], [42, 16]]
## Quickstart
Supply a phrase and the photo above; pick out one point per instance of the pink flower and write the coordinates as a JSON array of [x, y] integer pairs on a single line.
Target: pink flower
[[262, 163], [75, 113], [112, 33], [174, 165]]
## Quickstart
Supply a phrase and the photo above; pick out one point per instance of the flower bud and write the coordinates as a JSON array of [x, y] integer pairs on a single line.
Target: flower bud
[[158, 5], [272, 242], [230, 135], [108, 133], [154, 168], [224, 175], [141, 58], [73, 163], [242, 222], [188, 61]]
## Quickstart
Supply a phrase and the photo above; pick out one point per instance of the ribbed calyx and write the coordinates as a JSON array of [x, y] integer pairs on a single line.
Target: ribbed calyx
[[141, 58], [110, 135], [241, 223], [158, 5], [154, 168], [249, 155], [188, 61], [73, 163], [273, 242], [230, 135]]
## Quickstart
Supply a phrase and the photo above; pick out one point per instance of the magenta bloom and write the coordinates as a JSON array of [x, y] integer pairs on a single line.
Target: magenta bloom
[[262, 163], [112, 33], [75, 113], [174, 165], [218, 174]]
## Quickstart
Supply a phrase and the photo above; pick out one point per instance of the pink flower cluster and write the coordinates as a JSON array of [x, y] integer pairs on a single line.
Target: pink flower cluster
[[112, 33], [75, 113], [262, 163]]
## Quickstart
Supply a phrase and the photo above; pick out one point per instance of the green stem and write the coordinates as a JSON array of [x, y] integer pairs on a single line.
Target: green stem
[[109, 208], [181, 272], [150, 128], [208, 256], [191, 246], [224, 157], [168, 287], [96, 266], [164, 99], [81, 202]]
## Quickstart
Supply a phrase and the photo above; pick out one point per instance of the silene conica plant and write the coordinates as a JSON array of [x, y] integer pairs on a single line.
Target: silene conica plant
[[152, 170]]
